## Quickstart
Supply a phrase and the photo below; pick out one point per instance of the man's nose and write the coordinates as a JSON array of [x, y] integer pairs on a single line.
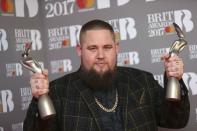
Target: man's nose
[[100, 54]]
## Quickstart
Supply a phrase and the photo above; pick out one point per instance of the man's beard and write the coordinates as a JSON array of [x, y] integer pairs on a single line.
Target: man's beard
[[96, 81]]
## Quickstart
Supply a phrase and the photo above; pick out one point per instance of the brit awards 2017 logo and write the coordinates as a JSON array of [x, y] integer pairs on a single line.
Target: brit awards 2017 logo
[[3, 40], [62, 37], [55, 8], [26, 97], [25, 36], [13, 69], [157, 22], [128, 58], [6, 101], [157, 53], [7, 8], [61, 66], [193, 51], [124, 28]]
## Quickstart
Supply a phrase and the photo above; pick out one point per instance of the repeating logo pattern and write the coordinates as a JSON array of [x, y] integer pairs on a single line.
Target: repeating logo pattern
[[157, 22], [14, 69], [67, 36], [157, 53], [17, 70], [128, 58], [25, 36], [63, 35], [61, 66], [124, 28]]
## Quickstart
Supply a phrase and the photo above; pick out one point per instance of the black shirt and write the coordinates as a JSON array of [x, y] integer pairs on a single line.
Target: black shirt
[[112, 121]]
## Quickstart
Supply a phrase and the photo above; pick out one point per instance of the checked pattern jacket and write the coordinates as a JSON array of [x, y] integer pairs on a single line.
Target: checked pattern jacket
[[141, 99]]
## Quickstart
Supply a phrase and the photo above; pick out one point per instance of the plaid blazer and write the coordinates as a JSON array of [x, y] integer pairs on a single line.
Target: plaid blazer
[[140, 96]]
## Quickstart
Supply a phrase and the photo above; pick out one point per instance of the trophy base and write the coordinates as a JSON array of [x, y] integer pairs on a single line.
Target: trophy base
[[173, 91], [45, 107]]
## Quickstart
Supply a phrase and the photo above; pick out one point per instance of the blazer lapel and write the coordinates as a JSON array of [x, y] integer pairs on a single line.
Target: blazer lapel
[[129, 97]]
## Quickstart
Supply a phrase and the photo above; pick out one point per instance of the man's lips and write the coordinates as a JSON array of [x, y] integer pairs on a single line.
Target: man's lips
[[100, 64]]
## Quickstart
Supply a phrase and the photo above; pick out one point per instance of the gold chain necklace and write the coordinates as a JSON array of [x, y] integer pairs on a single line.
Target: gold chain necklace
[[104, 108]]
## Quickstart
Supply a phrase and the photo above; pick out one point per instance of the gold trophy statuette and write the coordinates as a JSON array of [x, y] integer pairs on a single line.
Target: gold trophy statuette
[[173, 90], [45, 105]]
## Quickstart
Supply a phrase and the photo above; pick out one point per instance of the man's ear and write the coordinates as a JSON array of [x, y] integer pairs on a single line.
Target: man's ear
[[78, 48]]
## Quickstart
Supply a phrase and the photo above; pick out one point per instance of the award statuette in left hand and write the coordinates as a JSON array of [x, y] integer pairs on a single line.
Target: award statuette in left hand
[[173, 90], [45, 105]]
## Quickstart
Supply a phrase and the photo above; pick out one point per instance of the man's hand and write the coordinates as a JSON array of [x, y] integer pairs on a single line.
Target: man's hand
[[173, 66], [39, 83]]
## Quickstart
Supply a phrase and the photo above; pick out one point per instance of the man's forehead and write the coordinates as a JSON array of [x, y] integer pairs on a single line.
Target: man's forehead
[[93, 34]]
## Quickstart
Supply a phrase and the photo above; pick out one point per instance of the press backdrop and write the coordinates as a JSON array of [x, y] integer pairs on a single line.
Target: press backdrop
[[53, 27]]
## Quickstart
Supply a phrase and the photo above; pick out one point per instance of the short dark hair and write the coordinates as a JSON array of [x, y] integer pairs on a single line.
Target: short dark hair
[[95, 25]]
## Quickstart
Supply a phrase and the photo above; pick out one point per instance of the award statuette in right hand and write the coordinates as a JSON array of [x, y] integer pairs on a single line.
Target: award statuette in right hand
[[45, 105], [173, 91]]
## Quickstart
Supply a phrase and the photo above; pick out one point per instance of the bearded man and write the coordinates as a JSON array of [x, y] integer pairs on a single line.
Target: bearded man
[[103, 97]]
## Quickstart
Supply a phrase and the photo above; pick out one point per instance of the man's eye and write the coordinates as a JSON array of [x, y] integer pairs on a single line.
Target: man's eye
[[91, 48], [108, 47]]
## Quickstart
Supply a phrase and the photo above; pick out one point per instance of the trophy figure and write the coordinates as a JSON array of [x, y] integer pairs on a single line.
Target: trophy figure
[[45, 105], [173, 91]]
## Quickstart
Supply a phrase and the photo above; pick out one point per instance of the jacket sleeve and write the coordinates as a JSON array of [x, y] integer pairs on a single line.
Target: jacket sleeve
[[171, 114]]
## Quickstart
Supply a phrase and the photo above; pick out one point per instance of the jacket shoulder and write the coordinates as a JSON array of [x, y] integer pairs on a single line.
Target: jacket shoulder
[[133, 71], [60, 85]]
